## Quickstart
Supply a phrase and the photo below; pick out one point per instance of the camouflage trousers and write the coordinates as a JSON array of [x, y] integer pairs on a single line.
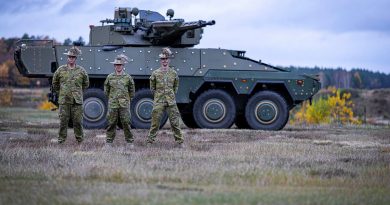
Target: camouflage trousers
[[174, 119], [72, 112], [115, 114]]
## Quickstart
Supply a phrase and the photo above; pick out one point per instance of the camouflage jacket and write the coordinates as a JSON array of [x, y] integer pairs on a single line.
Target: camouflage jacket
[[70, 83], [119, 89], [164, 85]]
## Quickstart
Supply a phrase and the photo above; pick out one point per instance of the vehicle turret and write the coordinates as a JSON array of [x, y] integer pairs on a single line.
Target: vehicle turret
[[133, 27]]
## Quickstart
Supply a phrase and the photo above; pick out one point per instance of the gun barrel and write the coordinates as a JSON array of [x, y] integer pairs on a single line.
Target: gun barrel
[[196, 24], [210, 23]]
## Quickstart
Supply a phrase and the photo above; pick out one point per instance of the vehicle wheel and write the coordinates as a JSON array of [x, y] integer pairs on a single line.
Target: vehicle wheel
[[141, 107], [189, 121], [214, 109], [266, 110], [241, 122], [95, 107]]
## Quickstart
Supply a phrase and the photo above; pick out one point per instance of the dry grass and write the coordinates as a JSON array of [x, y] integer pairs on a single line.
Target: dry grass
[[298, 165]]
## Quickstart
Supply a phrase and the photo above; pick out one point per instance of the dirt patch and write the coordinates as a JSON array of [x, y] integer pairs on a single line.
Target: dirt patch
[[322, 142], [330, 173], [173, 188], [358, 144]]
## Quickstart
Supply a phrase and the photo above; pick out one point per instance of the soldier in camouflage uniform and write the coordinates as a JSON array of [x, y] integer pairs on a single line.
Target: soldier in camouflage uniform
[[119, 88], [164, 83], [69, 81]]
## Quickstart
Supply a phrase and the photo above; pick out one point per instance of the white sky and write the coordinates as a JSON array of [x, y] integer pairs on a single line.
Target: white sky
[[332, 33]]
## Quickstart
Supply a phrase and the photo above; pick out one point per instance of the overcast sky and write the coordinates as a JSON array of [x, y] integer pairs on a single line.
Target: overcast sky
[[327, 33]]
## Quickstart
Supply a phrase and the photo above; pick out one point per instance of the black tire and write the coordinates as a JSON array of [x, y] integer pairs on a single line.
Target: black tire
[[214, 109], [141, 107], [95, 108], [241, 122], [189, 121], [267, 110]]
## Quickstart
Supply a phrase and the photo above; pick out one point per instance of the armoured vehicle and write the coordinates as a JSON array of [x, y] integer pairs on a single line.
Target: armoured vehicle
[[218, 87]]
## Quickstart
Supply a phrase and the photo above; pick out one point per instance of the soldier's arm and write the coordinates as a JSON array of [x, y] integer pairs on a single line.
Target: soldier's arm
[[107, 86], [85, 80], [152, 80], [131, 88], [56, 81], [176, 83]]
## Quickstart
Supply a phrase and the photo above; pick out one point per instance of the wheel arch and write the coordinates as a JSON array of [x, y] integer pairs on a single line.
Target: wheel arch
[[225, 85], [275, 86]]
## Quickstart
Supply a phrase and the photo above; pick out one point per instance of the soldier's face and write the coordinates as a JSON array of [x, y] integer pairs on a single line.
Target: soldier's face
[[118, 68], [164, 62], [71, 59]]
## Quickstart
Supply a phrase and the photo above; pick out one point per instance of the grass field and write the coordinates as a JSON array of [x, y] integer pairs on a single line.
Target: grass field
[[298, 165]]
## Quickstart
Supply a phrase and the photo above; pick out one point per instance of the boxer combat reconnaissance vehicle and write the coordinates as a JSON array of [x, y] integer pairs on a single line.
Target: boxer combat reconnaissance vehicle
[[218, 87]]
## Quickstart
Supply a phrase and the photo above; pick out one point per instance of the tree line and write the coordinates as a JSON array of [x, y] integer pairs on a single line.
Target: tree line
[[339, 77]]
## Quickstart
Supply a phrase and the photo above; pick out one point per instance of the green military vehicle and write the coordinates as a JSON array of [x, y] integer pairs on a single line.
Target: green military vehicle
[[218, 87]]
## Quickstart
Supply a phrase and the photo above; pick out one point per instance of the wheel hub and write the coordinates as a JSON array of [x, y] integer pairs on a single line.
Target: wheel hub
[[214, 110], [93, 109], [143, 109], [266, 112]]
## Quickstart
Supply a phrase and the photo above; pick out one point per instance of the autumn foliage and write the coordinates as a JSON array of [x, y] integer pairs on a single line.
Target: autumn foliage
[[333, 109], [6, 96], [46, 105]]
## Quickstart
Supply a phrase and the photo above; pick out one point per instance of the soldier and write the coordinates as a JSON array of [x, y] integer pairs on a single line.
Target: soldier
[[69, 81], [119, 88], [164, 83]]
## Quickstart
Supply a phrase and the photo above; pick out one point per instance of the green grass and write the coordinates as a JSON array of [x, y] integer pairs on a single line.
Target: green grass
[[216, 167], [27, 115]]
